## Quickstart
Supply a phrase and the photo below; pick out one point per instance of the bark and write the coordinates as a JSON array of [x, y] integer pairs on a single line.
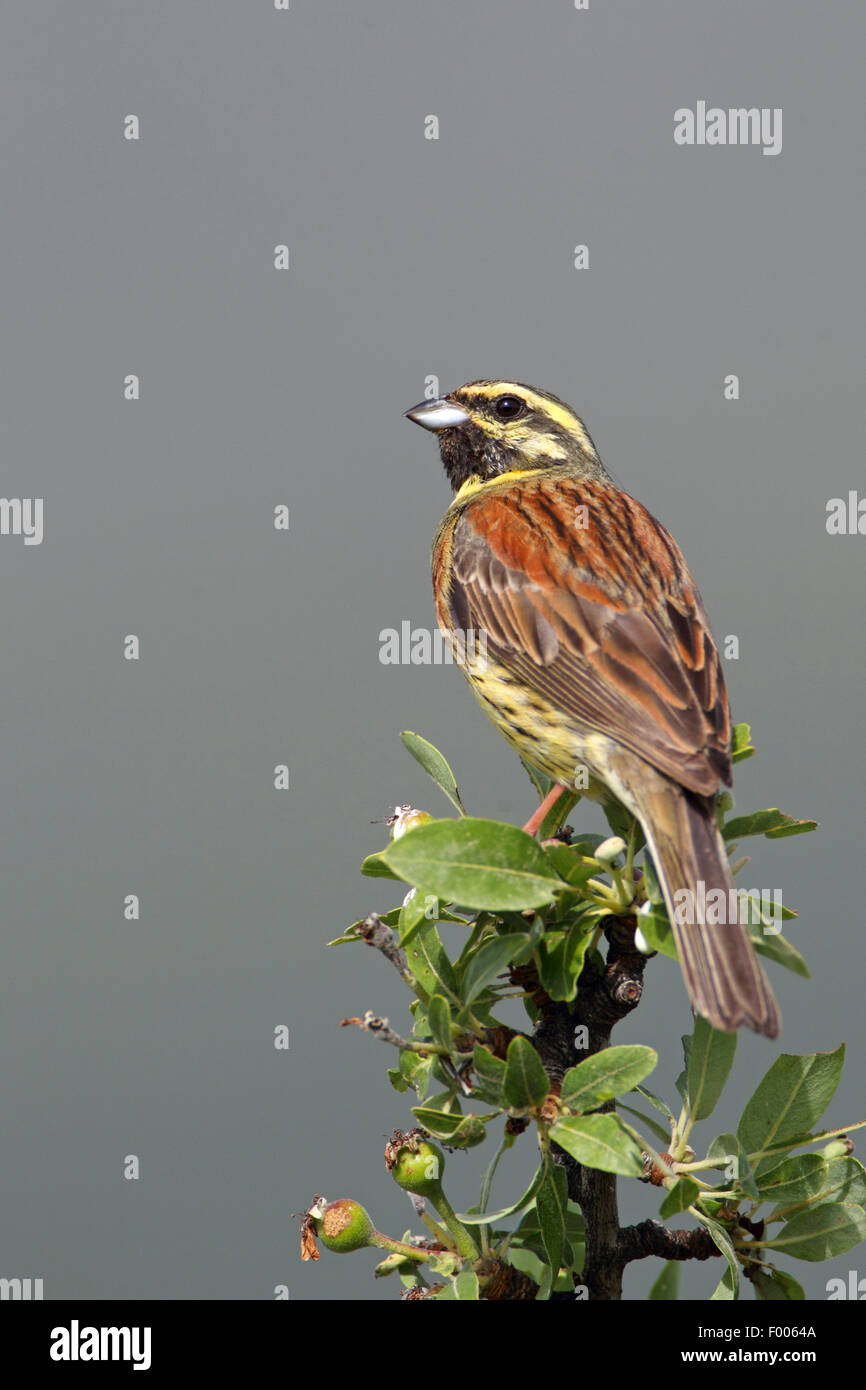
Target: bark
[[605, 996]]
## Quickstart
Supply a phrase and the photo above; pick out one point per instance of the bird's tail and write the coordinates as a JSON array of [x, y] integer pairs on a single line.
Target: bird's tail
[[721, 970]]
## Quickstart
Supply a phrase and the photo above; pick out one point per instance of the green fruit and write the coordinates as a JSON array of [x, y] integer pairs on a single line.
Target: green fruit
[[344, 1225], [418, 1168]]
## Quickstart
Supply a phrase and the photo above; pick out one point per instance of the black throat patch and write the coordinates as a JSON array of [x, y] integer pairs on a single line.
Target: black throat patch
[[467, 451]]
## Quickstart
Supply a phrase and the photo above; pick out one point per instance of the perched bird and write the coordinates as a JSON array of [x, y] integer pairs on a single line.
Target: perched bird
[[597, 652]]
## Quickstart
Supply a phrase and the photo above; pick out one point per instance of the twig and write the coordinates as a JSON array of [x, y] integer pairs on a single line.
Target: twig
[[375, 933]]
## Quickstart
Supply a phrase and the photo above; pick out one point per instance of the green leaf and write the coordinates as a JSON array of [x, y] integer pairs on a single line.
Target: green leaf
[[741, 743], [721, 1238], [679, 1197], [490, 1074], [681, 1082], [419, 908], [792, 1095], [775, 1286], [657, 932], [846, 1181], [797, 1179], [560, 960], [600, 1141], [552, 1206], [711, 1057], [772, 823], [751, 903], [374, 866], [656, 1102], [605, 1075], [476, 863], [416, 1069], [818, 1233], [730, 1153], [464, 1288], [439, 1018], [489, 962], [813, 1179], [618, 818], [434, 765], [574, 1223], [470, 1132], [543, 785], [776, 947], [667, 1286], [661, 1134], [526, 1083], [727, 1289], [571, 866], [441, 1123], [585, 845], [557, 814], [429, 962]]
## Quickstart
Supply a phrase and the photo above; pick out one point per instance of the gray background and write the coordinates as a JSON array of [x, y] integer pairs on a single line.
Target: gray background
[[408, 257]]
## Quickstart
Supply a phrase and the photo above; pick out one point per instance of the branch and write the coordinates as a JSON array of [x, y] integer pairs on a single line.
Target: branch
[[374, 932], [605, 995], [652, 1238]]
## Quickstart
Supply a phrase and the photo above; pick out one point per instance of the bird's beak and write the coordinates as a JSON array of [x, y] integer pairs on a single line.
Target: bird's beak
[[436, 415]]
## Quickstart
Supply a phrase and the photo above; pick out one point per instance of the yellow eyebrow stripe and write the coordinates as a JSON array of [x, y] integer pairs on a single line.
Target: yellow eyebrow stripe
[[560, 414]]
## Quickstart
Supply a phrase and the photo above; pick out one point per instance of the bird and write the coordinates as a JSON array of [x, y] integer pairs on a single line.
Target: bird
[[586, 642]]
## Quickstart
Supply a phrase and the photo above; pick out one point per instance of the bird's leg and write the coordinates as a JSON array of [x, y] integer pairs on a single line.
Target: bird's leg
[[532, 825]]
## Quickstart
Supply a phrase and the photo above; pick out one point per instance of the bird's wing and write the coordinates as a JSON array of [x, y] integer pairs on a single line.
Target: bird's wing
[[585, 597]]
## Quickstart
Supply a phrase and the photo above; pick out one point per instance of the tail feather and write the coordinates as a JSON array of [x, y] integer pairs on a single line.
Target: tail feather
[[721, 970]]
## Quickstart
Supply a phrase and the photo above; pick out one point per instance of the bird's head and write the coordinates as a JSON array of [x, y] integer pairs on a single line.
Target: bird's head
[[488, 428]]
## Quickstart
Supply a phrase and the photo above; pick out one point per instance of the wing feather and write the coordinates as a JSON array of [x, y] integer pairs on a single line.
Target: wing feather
[[602, 618]]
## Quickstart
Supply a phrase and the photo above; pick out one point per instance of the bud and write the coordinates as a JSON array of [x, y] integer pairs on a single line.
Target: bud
[[344, 1225], [609, 850], [839, 1148], [407, 818], [641, 944]]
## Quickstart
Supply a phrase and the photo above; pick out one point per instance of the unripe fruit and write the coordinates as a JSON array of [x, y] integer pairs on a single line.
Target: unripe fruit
[[344, 1226], [418, 1167]]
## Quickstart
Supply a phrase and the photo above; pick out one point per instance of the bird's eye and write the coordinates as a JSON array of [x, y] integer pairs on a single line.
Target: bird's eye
[[508, 407]]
